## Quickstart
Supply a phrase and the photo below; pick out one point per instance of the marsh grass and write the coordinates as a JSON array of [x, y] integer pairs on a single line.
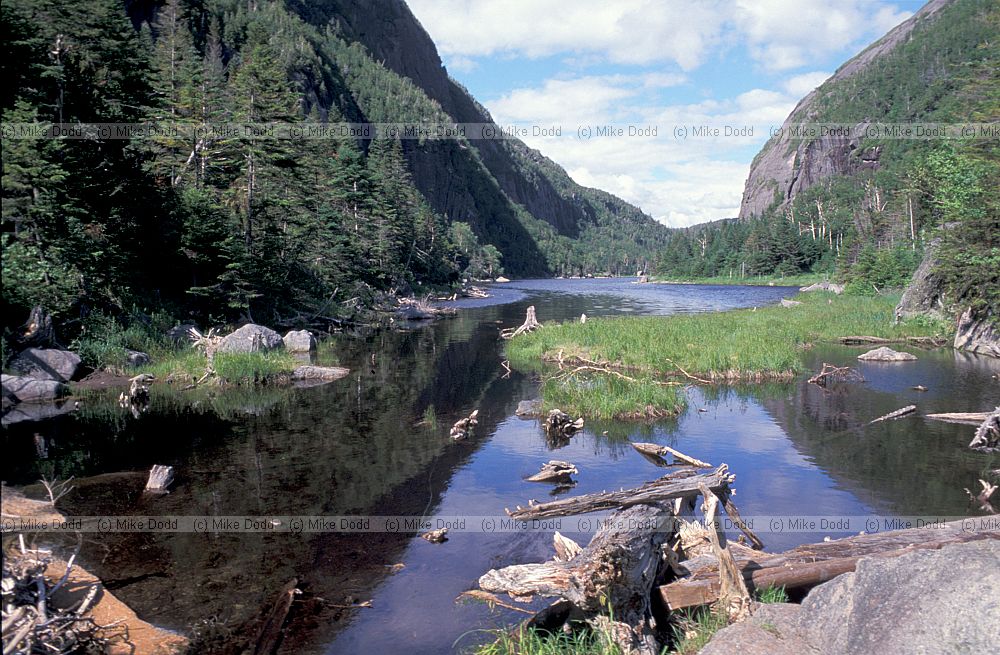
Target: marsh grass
[[720, 346], [231, 368], [605, 397], [803, 280], [749, 345], [533, 642], [693, 629]]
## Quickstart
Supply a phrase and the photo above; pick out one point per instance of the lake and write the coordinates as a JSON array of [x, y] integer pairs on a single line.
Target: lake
[[364, 445]]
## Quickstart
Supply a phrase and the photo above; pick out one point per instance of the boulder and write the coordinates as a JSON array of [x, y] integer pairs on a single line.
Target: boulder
[[789, 303], [924, 296], [47, 364], [884, 354], [136, 358], [326, 373], [181, 333], [977, 334], [299, 341], [31, 390], [923, 602], [529, 409], [501, 279], [250, 338]]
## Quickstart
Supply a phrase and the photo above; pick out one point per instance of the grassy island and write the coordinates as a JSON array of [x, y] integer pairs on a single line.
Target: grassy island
[[631, 367]]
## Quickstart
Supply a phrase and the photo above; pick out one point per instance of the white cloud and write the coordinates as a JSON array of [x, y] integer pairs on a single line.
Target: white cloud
[[779, 34], [801, 85]]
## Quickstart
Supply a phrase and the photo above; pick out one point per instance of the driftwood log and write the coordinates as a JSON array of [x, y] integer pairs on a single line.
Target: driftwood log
[[464, 426], [530, 325], [899, 413], [554, 471], [615, 571], [987, 436], [734, 599], [661, 451], [160, 477], [680, 484], [811, 564], [829, 373], [269, 635], [967, 418], [559, 423]]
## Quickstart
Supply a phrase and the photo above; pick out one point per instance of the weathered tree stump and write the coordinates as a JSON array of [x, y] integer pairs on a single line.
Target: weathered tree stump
[[559, 422], [987, 437], [464, 426], [160, 477], [530, 325], [554, 471]]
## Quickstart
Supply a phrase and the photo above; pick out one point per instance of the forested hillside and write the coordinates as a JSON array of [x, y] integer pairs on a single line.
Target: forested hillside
[[872, 204], [225, 226]]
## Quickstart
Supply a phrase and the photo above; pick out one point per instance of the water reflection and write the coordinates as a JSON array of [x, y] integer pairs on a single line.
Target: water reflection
[[361, 445]]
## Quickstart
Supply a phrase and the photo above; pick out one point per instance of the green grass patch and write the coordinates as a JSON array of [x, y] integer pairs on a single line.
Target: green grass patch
[[693, 629], [802, 280], [230, 368], [733, 346], [534, 642], [607, 397]]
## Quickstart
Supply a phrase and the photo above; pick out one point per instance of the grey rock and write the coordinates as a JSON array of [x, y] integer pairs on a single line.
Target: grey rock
[[18, 389], [250, 338], [924, 602], [28, 412], [47, 364], [413, 313], [789, 303], [786, 166], [884, 354], [977, 334], [529, 408], [137, 358], [924, 295], [327, 373], [299, 341], [181, 333]]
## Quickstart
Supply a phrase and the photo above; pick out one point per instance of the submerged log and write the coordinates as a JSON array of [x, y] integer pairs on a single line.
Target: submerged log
[[902, 411], [269, 634], [660, 451], [811, 564], [680, 484], [554, 471], [160, 477]]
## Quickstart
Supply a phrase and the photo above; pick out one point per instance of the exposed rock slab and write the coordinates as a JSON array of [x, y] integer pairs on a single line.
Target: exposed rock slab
[[884, 354], [924, 295], [824, 286], [299, 341], [529, 409], [250, 338], [924, 602], [31, 390], [47, 364], [977, 335]]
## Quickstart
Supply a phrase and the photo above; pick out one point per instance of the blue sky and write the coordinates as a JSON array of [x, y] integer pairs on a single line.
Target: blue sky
[[661, 63]]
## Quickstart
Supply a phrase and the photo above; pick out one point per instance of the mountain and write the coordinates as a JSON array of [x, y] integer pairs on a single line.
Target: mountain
[[220, 225], [862, 208]]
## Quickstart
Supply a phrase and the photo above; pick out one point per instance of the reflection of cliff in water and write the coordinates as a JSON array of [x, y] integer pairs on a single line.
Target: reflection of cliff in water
[[910, 466], [351, 447]]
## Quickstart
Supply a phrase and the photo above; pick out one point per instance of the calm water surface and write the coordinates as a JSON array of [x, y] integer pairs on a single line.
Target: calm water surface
[[361, 446]]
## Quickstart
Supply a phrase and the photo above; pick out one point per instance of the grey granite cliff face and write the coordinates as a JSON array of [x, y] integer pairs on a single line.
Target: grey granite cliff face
[[781, 169]]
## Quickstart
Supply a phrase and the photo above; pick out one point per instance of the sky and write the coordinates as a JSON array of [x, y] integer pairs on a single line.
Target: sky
[[666, 65]]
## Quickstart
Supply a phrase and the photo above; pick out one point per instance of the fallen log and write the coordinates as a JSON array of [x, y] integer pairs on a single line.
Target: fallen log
[[614, 573], [660, 451], [863, 340], [734, 598], [680, 484], [987, 436], [969, 418], [811, 564], [839, 373], [554, 471], [902, 411], [269, 634]]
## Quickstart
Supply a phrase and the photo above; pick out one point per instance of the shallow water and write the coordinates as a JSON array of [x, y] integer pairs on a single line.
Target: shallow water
[[356, 446]]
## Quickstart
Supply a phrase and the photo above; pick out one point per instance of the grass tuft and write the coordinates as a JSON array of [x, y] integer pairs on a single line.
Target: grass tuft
[[534, 642]]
